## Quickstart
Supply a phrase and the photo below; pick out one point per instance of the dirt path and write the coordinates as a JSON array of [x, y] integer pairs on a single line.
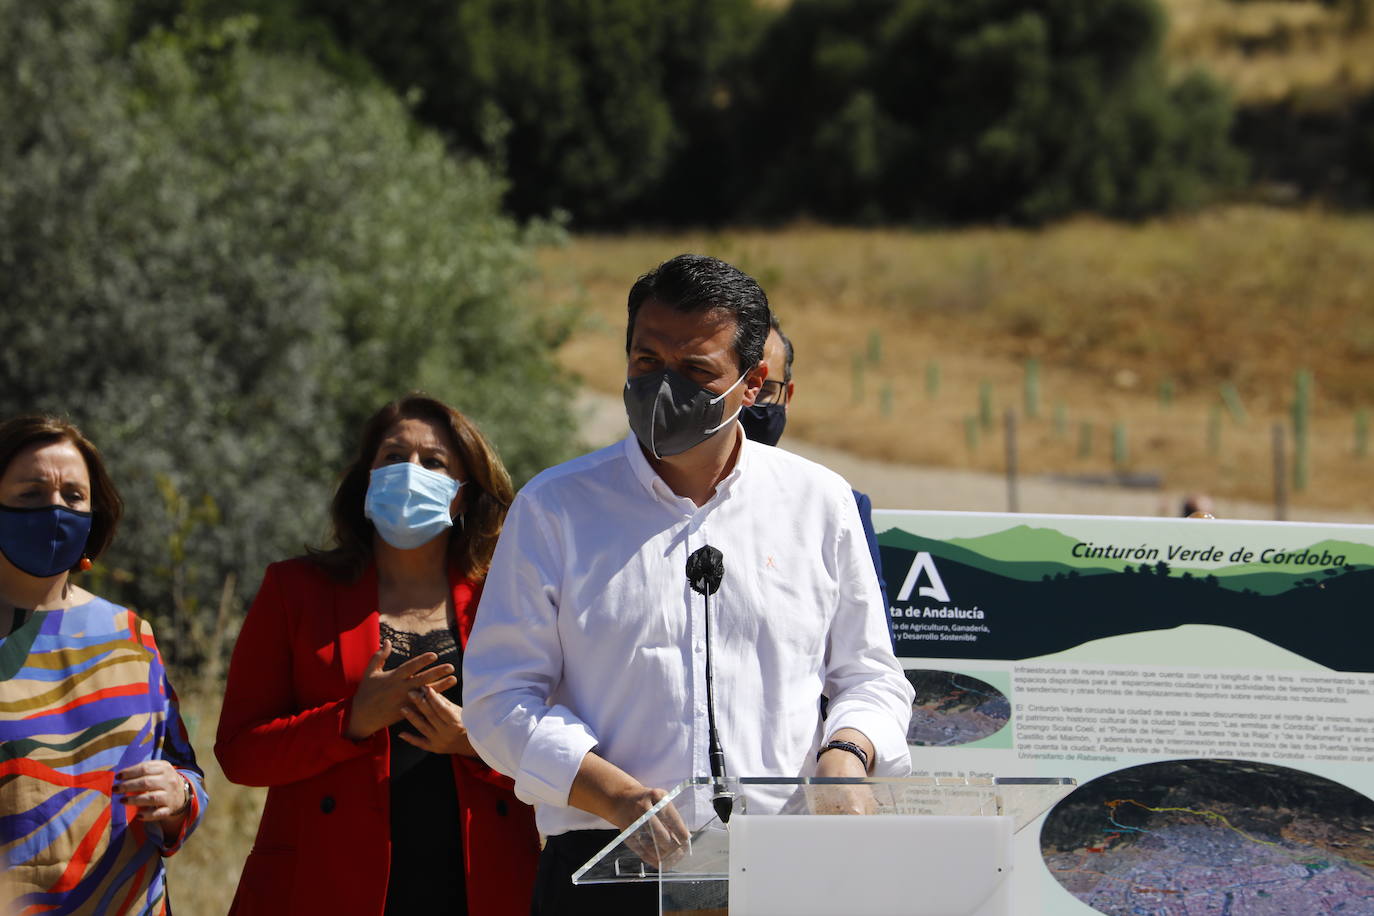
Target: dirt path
[[897, 486]]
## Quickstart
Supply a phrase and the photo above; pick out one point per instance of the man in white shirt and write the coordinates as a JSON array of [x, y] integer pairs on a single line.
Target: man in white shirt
[[584, 676]]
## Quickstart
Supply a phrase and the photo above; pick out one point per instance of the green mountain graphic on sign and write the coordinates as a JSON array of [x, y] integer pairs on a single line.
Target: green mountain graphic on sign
[[989, 552], [1355, 555], [1273, 579], [1023, 540], [982, 552]]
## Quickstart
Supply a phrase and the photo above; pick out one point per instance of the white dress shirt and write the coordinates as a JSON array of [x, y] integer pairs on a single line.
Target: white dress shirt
[[589, 637]]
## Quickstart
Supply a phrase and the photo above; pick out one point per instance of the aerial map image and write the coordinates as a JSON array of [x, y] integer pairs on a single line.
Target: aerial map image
[[1194, 837], [952, 709]]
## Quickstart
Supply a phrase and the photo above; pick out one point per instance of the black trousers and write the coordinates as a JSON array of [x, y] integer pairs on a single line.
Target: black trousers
[[556, 895]]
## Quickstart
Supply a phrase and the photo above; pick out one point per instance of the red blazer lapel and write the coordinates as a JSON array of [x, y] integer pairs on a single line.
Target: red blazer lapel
[[355, 618], [356, 622], [465, 595]]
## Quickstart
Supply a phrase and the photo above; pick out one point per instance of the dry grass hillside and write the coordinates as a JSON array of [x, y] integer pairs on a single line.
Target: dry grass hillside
[[1273, 50], [1167, 349]]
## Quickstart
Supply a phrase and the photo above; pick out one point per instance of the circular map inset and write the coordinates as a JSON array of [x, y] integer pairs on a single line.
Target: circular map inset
[[1213, 836], [952, 709]]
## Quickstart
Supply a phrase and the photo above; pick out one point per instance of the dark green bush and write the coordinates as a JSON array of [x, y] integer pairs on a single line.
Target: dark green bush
[[595, 108], [633, 112], [218, 262], [982, 109]]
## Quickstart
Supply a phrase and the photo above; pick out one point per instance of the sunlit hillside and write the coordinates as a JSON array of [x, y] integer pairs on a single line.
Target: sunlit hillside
[[1166, 350], [1273, 50]]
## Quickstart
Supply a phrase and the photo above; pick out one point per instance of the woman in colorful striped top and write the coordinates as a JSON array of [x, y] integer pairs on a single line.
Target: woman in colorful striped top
[[98, 782]]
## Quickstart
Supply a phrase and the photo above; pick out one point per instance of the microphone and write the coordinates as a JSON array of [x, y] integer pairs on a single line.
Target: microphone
[[705, 569]]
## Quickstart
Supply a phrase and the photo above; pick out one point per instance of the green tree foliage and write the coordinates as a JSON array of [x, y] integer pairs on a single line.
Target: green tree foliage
[[981, 109], [218, 262], [595, 106], [706, 111]]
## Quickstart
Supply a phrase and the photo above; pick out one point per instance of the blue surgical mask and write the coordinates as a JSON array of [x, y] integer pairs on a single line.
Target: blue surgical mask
[[45, 541], [409, 504]]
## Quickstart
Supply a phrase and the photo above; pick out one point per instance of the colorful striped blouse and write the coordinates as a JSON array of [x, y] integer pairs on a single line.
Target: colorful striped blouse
[[83, 695]]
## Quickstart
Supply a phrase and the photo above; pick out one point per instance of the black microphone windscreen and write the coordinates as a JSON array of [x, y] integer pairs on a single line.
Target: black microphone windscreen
[[705, 569]]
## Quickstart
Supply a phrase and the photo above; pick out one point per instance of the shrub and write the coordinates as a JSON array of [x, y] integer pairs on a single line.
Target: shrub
[[218, 262], [587, 105], [982, 109], [600, 109]]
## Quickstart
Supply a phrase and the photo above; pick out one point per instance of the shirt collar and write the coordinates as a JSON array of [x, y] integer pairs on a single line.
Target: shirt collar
[[643, 471], [747, 448], [656, 486]]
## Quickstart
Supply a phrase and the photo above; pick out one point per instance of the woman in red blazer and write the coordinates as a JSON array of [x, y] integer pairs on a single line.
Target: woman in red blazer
[[343, 696]]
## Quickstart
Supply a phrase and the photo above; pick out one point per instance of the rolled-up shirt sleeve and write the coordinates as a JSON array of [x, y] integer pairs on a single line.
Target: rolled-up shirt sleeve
[[867, 689], [513, 661]]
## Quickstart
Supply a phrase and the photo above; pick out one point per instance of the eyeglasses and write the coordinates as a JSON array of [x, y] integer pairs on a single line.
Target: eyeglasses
[[772, 392]]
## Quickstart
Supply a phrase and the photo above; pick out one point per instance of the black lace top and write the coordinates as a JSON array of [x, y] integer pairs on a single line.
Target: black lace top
[[426, 838], [441, 642]]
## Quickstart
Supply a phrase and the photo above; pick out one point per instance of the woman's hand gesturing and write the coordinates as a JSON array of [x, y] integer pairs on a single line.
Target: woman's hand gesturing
[[382, 695], [439, 723]]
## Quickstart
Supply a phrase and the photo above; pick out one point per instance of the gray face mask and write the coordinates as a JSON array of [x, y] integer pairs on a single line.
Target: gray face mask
[[670, 414]]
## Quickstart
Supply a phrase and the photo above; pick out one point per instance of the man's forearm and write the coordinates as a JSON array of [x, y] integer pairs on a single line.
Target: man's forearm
[[604, 789]]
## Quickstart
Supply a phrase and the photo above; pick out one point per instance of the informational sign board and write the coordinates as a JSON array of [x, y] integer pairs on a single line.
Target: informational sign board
[[1209, 683]]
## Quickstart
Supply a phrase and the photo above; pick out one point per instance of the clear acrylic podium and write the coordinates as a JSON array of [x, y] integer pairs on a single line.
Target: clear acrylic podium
[[941, 847]]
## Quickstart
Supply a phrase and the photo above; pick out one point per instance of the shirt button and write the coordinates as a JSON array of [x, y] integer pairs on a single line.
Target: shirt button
[[327, 804]]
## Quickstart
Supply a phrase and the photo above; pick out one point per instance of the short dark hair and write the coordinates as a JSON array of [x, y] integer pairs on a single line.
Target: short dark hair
[[487, 492], [107, 506], [776, 325], [695, 282]]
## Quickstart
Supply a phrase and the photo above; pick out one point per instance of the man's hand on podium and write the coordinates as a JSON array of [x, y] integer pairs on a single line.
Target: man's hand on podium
[[607, 791], [664, 839], [837, 762]]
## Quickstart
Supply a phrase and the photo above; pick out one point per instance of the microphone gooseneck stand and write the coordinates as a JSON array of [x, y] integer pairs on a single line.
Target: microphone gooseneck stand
[[705, 569]]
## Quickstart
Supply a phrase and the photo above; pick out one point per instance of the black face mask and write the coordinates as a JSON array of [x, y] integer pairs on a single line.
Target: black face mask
[[670, 414], [764, 422]]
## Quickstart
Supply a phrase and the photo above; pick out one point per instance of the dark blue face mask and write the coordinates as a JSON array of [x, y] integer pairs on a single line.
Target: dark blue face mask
[[764, 422], [45, 541]]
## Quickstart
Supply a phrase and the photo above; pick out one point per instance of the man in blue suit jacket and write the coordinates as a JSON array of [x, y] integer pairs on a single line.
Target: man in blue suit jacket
[[765, 420]]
